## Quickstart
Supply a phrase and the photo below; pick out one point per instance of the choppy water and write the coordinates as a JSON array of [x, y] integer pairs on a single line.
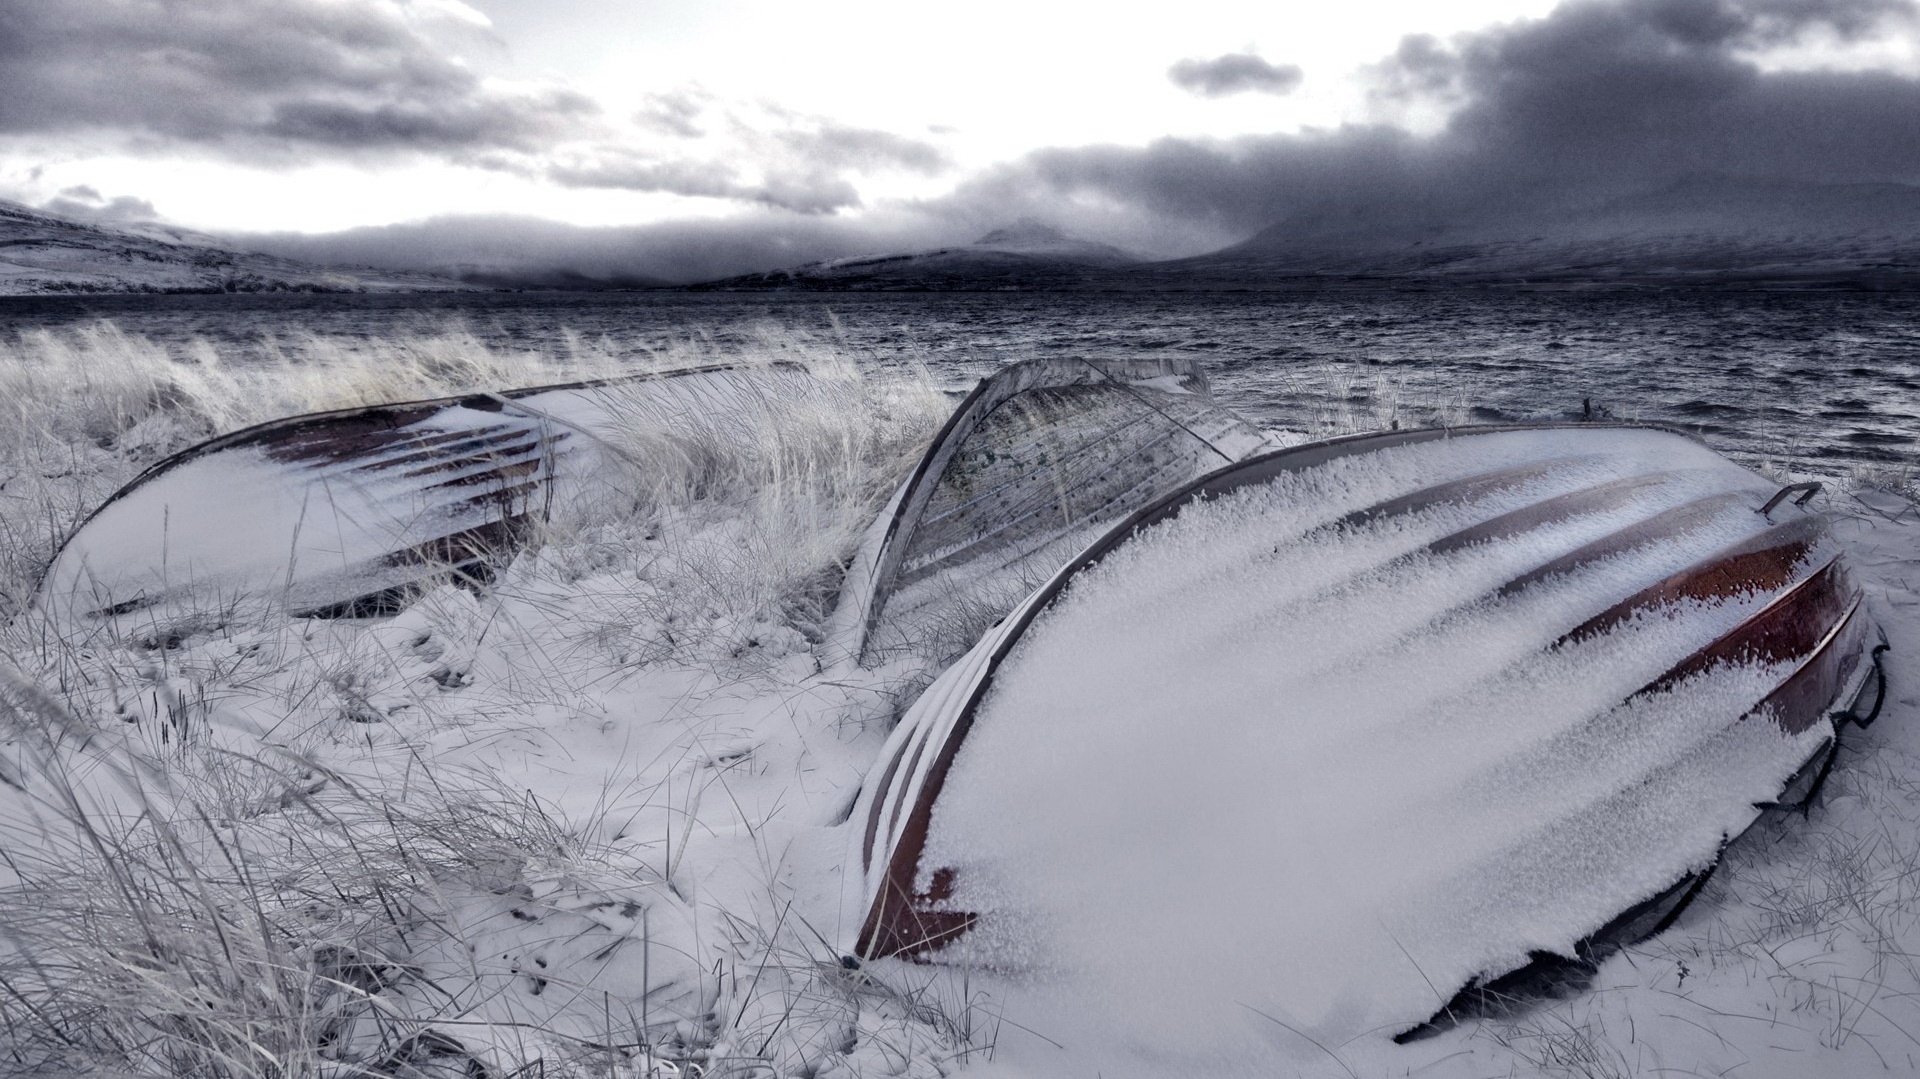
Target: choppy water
[[1824, 382]]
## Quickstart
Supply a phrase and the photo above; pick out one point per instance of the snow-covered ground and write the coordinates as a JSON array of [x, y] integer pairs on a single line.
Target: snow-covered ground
[[48, 254], [589, 817]]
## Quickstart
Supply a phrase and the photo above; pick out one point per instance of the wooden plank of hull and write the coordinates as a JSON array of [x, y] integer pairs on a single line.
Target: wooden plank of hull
[[1762, 563], [377, 501], [1787, 629], [1462, 490], [1669, 525], [1812, 628], [1602, 498], [1803, 698], [1676, 523], [438, 453]]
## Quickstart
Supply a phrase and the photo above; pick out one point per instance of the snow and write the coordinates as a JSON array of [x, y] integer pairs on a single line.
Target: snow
[[52, 255], [648, 776], [1230, 813]]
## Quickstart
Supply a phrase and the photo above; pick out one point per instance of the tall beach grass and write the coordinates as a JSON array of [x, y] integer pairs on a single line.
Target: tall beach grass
[[192, 886], [243, 856]]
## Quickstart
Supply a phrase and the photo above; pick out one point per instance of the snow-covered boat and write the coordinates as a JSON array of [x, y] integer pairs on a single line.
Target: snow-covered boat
[[1034, 463], [1427, 708], [348, 512]]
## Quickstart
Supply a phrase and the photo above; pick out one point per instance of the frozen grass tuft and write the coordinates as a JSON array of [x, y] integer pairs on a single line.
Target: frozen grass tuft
[[742, 521], [212, 914]]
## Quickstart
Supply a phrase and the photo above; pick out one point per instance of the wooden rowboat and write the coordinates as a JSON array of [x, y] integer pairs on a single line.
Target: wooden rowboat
[[1530, 681], [348, 512], [1037, 460]]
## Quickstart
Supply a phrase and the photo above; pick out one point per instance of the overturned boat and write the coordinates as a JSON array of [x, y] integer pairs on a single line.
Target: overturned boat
[[350, 512], [1412, 713], [1034, 463]]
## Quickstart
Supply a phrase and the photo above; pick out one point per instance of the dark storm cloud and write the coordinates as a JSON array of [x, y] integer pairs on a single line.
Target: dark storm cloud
[[1223, 187], [1664, 87], [521, 123], [257, 78], [1599, 96], [1420, 67], [1234, 73], [1597, 101]]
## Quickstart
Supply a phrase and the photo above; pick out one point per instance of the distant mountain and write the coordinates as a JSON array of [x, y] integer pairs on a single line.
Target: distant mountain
[[1710, 231], [48, 254], [1702, 232], [1027, 255]]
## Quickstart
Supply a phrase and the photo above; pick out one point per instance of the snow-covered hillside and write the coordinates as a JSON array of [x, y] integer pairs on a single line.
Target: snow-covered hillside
[[1707, 231], [1704, 232], [1026, 255], [47, 254]]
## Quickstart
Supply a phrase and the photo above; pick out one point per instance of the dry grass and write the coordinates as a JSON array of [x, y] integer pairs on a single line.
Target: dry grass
[[752, 514], [181, 901], [210, 914]]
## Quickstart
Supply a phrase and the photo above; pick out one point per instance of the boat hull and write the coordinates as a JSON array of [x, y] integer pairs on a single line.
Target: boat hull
[[1547, 672]]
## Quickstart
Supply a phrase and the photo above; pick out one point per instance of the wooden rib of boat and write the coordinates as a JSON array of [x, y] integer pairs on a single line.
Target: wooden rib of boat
[[348, 512], [1603, 650], [1035, 461]]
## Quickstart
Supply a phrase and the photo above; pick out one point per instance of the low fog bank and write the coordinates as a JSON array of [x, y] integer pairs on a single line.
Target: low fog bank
[[528, 251]]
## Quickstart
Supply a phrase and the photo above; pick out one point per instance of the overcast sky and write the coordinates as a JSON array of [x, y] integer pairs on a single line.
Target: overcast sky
[[745, 133]]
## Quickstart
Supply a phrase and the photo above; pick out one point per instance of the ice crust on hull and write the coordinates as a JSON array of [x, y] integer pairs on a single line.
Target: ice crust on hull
[[341, 513], [1392, 715], [1034, 463]]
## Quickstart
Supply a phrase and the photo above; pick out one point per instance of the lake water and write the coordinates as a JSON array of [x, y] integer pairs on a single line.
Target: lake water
[[1822, 382]]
